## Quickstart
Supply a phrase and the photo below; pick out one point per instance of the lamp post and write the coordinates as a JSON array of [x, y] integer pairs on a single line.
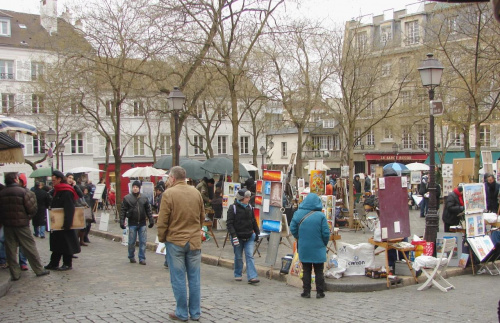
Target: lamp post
[[395, 150], [431, 71], [60, 150], [262, 152], [50, 136], [176, 102]]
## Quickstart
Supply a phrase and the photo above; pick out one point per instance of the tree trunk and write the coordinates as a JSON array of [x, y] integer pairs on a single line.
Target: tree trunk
[[477, 131], [299, 168]]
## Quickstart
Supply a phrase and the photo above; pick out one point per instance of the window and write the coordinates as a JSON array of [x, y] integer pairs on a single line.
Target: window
[[39, 144], [7, 103], [404, 68], [4, 27], [388, 133], [284, 150], [6, 70], [485, 136], [164, 145], [385, 34], [77, 143], [370, 138], [386, 69], [412, 32], [330, 123], [357, 137], [36, 71], [452, 23], [37, 106], [222, 145], [406, 138], [422, 136], [386, 101], [198, 112], [138, 108], [139, 145], [362, 40], [76, 107], [109, 107], [455, 137], [405, 98], [244, 145], [336, 142], [220, 114], [322, 143], [198, 145]]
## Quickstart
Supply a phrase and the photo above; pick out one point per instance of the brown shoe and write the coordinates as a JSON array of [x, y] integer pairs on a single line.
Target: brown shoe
[[175, 317]]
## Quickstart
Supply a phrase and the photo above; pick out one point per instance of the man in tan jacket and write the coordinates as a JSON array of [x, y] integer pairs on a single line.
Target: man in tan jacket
[[180, 220]]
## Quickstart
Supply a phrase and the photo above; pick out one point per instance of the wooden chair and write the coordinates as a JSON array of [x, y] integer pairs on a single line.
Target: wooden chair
[[435, 275]]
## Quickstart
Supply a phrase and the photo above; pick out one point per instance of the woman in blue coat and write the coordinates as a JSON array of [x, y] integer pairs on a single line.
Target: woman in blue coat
[[310, 225]]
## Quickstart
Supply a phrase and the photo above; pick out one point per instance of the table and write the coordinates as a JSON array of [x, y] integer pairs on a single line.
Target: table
[[209, 225], [388, 245]]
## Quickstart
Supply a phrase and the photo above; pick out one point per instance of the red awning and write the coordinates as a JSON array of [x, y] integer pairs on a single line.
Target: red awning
[[397, 157]]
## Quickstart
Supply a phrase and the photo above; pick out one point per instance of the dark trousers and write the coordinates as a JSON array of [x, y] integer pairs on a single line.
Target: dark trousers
[[55, 258], [23, 238], [318, 272]]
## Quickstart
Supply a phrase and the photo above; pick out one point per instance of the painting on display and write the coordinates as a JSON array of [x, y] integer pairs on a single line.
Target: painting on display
[[447, 185], [474, 198], [256, 213], [457, 252], [272, 175], [317, 182], [416, 177], [463, 171], [258, 187], [447, 170], [474, 224], [267, 188], [225, 201], [276, 194], [344, 171], [237, 187], [258, 200]]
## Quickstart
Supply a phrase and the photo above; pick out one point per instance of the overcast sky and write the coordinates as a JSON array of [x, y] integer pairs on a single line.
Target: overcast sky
[[337, 11]]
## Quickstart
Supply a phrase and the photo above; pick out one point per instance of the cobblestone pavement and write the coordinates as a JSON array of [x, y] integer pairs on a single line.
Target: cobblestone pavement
[[105, 287]]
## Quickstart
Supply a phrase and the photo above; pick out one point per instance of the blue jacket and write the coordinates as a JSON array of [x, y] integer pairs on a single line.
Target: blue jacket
[[314, 233]]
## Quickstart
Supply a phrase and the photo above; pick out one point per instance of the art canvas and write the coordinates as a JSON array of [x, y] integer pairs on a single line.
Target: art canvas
[[258, 200], [462, 262], [486, 157], [300, 183], [228, 188], [315, 165], [276, 194], [56, 219], [258, 187], [447, 170], [285, 229], [317, 182], [463, 170], [272, 175], [474, 198], [477, 247], [256, 213], [237, 187], [267, 188], [225, 201], [470, 225], [393, 205], [457, 252], [415, 177], [447, 185], [161, 249], [344, 171], [147, 190], [99, 189]]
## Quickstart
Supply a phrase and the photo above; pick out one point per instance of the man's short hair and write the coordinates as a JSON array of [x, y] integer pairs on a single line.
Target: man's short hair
[[178, 173], [211, 181], [10, 178]]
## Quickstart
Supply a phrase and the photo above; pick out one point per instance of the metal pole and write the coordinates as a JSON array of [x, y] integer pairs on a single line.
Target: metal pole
[[176, 126], [432, 218]]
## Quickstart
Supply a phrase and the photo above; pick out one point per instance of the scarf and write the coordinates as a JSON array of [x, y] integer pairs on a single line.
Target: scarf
[[460, 196], [242, 204], [65, 187]]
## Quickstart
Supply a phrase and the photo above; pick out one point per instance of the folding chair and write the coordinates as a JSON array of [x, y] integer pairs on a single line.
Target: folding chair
[[491, 258], [434, 276], [358, 216]]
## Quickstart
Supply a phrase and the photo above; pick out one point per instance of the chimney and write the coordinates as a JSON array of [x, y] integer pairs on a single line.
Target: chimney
[[48, 15], [67, 16]]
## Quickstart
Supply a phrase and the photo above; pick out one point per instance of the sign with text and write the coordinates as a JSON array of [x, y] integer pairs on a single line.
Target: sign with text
[[437, 107]]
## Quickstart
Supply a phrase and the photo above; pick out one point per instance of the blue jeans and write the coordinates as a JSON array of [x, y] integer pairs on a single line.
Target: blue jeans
[[424, 206], [133, 231], [182, 261], [22, 258], [39, 231], [248, 246]]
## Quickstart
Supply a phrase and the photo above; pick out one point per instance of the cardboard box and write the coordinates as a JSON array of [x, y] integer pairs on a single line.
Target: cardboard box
[[56, 217]]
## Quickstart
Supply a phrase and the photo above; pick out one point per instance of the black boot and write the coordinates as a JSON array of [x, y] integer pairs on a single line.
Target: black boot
[[306, 294]]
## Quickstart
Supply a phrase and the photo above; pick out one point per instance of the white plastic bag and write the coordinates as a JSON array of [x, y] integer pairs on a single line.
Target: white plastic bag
[[357, 257], [377, 233], [335, 268]]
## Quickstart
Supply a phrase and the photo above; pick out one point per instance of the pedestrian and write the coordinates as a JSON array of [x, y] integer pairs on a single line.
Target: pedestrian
[[23, 262], [43, 200], [423, 190], [160, 188], [63, 243], [180, 220], [452, 208], [136, 209], [89, 219], [368, 184], [492, 188], [18, 206], [244, 231], [204, 188], [310, 227], [357, 184]]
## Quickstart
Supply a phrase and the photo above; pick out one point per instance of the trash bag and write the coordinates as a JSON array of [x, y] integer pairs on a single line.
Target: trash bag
[[334, 267]]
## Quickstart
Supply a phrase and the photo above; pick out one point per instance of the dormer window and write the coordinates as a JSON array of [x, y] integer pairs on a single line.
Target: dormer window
[[5, 27]]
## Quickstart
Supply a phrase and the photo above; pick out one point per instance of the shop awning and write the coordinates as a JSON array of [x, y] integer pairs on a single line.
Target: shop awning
[[399, 157], [450, 155]]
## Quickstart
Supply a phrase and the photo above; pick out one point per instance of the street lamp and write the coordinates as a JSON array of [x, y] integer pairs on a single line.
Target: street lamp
[[60, 150], [50, 136], [395, 150], [176, 102], [262, 152], [431, 71]]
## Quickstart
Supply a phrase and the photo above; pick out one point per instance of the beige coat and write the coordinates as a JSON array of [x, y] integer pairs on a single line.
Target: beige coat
[[181, 216]]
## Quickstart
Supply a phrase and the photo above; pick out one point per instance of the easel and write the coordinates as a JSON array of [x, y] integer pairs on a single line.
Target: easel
[[333, 238], [209, 224], [389, 245]]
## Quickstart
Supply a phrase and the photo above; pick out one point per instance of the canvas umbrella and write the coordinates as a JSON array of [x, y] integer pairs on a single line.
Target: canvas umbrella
[[418, 167], [165, 162], [222, 165], [11, 151], [12, 124], [250, 167], [143, 172], [83, 169], [397, 167], [41, 172], [193, 169]]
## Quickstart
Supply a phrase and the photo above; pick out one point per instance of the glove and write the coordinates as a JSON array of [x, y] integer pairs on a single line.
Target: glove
[[256, 237], [236, 242], [151, 224], [462, 209], [122, 226]]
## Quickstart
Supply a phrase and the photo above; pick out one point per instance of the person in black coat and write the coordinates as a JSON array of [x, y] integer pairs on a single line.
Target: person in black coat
[[492, 189], [43, 201], [63, 243], [453, 206]]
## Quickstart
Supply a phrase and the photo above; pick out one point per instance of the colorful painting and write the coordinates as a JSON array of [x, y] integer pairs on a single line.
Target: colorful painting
[[267, 188], [258, 200], [480, 225], [272, 175], [237, 187], [317, 182], [276, 194], [470, 226], [256, 213], [474, 198], [258, 187], [225, 201], [416, 177]]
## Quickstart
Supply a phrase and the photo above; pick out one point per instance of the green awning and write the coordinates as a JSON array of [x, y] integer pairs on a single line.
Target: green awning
[[450, 155]]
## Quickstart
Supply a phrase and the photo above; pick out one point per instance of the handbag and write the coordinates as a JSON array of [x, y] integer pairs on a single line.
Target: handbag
[[87, 213]]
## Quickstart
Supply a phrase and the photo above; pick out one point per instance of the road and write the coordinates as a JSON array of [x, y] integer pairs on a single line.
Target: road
[[105, 287]]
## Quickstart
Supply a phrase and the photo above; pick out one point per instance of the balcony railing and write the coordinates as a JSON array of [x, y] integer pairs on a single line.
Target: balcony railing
[[321, 154]]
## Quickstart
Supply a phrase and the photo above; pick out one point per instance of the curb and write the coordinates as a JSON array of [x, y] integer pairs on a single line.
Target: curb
[[5, 284]]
